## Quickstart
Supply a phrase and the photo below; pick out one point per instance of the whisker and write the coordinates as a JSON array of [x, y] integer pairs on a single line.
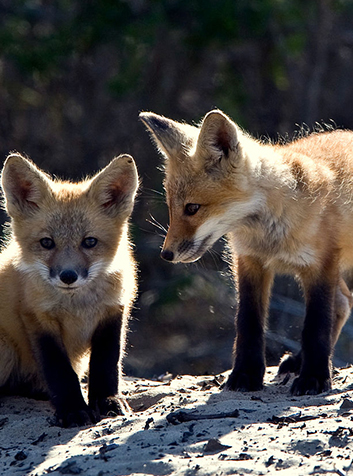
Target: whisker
[[215, 257], [154, 191], [154, 232], [156, 223], [201, 264], [152, 198], [152, 194]]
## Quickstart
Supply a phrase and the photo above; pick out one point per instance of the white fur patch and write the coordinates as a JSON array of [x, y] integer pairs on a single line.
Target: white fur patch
[[34, 269], [225, 223], [217, 226], [305, 256], [39, 269]]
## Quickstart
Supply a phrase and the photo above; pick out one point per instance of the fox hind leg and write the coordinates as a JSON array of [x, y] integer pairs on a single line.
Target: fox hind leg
[[343, 307], [326, 311], [7, 366], [291, 363]]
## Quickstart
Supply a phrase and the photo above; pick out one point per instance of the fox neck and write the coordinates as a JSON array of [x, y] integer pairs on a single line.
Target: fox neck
[[269, 182], [276, 226]]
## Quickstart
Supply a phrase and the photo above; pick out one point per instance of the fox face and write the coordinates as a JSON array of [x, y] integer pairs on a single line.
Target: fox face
[[207, 182], [67, 233], [67, 258]]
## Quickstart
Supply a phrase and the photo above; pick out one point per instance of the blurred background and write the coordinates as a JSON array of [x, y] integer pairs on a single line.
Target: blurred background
[[74, 76]]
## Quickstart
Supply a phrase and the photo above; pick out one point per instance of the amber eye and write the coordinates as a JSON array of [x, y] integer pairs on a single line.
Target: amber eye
[[191, 208], [47, 243], [89, 242]]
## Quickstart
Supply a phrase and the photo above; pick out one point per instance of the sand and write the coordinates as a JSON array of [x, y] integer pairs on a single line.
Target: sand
[[265, 432]]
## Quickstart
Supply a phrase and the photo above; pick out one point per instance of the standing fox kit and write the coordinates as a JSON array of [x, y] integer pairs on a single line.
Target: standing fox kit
[[286, 209], [66, 286]]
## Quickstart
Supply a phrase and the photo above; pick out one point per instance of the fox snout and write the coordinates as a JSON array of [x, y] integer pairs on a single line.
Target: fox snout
[[185, 251], [167, 255], [69, 276]]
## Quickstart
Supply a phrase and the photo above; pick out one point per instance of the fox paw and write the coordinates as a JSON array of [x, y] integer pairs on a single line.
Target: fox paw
[[244, 381], [112, 406], [310, 385], [290, 364], [80, 417]]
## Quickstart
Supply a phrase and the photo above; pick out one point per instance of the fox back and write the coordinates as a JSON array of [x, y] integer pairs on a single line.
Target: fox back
[[66, 273]]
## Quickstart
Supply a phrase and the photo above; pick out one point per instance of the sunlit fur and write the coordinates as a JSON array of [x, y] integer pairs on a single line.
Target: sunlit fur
[[34, 300], [288, 207]]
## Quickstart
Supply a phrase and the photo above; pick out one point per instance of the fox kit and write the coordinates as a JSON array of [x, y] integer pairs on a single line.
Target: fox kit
[[286, 209], [66, 285]]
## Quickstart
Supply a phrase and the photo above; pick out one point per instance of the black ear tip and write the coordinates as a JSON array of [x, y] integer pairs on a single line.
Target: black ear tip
[[160, 123], [154, 121]]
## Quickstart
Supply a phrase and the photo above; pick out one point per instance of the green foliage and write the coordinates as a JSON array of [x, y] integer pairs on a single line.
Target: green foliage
[[38, 36]]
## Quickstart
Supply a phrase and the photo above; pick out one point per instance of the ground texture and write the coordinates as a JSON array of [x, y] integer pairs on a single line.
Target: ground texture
[[188, 426]]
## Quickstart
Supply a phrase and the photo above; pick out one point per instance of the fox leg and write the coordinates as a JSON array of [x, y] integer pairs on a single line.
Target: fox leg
[[104, 369], [63, 383], [8, 364], [322, 325], [254, 286], [342, 308]]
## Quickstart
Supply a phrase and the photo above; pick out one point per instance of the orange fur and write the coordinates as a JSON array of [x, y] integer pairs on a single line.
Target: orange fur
[[36, 299], [287, 207]]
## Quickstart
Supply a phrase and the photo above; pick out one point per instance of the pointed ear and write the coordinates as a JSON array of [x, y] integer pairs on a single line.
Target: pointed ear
[[218, 139], [115, 186], [24, 185], [172, 138]]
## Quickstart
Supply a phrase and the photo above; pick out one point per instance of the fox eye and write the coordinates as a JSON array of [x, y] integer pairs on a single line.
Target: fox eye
[[47, 243], [89, 242], [191, 208]]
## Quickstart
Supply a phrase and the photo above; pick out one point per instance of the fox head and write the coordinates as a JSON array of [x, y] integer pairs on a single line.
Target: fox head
[[207, 182], [67, 233]]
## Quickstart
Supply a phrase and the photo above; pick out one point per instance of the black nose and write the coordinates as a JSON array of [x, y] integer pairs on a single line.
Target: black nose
[[167, 255], [68, 276]]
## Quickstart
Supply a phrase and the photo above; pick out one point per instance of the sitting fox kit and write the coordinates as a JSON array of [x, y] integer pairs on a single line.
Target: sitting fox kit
[[286, 209], [67, 283]]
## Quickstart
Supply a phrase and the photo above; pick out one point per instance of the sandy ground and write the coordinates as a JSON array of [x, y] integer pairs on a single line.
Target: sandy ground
[[257, 433]]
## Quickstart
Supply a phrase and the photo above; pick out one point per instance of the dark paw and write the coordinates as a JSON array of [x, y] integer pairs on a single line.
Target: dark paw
[[80, 417], [290, 364], [310, 385], [111, 406], [244, 381]]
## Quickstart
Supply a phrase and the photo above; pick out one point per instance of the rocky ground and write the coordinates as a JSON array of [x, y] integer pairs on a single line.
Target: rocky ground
[[188, 426]]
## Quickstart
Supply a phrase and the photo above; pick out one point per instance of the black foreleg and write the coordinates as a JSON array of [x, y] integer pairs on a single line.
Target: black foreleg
[[63, 384], [104, 369], [254, 285]]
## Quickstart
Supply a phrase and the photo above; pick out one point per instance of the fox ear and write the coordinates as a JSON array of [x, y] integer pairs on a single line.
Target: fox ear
[[218, 139], [24, 186], [115, 186], [172, 138]]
